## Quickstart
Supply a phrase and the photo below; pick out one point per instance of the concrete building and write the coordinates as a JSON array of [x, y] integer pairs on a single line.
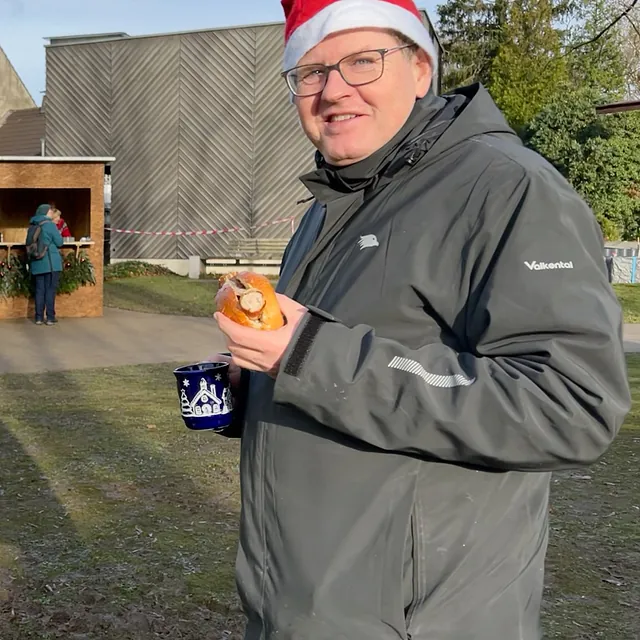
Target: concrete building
[[202, 130], [13, 93]]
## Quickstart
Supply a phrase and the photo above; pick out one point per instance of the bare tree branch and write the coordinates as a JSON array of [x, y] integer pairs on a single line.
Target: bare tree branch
[[623, 14], [633, 26]]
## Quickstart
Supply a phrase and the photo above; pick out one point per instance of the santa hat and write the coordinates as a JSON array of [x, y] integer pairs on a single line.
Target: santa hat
[[308, 22]]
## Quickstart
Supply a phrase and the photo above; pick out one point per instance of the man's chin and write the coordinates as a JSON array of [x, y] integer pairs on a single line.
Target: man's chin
[[345, 156]]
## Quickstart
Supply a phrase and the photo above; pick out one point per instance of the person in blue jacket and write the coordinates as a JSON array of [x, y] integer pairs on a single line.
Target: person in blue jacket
[[46, 270]]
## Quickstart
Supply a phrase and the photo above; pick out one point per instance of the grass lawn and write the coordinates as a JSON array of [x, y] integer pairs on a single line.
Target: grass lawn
[[629, 296], [176, 295], [120, 524], [173, 295], [593, 568], [117, 522]]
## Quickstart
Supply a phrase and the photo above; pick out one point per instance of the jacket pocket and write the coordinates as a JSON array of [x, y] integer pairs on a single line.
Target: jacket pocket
[[414, 575], [398, 584], [408, 573]]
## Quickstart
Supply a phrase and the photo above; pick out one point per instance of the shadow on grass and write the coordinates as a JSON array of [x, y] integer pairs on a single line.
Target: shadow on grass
[[120, 524], [136, 517], [34, 530], [593, 563]]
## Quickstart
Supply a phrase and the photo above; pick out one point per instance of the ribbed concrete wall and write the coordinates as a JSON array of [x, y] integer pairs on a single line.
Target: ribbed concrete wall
[[201, 127]]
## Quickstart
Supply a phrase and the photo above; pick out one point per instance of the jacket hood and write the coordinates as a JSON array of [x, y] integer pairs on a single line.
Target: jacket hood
[[436, 124], [478, 114], [36, 219]]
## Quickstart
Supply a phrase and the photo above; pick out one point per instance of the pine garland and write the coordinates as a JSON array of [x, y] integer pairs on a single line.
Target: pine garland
[[14, 278], [16, 281], [76, 272]]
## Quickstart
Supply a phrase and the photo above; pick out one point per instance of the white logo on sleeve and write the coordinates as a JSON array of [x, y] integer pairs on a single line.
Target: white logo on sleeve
[[432, 379], [368, 241], [543, 266]]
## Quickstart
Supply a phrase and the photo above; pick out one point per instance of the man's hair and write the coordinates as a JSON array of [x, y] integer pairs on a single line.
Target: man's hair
[[404, 40]]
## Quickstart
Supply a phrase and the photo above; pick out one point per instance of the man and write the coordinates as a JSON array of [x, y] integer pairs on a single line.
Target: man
[[45, 263], [451, 339]]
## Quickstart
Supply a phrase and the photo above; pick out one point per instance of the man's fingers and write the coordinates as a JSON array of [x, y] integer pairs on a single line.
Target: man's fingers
[[234, 331], [289, 307], [222, 321]]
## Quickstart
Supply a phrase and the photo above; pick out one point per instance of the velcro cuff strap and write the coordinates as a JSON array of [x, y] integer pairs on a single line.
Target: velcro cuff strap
[[303, 345]]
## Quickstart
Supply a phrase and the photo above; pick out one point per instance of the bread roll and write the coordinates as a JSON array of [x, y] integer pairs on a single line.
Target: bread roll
[[249, 299]]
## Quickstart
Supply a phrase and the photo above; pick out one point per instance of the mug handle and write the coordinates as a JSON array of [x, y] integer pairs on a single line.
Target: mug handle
[[222, 353]]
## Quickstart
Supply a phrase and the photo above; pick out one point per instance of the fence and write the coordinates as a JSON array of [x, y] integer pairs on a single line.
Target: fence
[[623, 270]]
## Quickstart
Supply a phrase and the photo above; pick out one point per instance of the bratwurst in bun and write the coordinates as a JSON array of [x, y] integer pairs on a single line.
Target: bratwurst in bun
[[249, 299]]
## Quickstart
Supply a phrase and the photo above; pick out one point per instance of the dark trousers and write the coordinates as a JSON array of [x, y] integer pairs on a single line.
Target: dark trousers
[[46, 287]]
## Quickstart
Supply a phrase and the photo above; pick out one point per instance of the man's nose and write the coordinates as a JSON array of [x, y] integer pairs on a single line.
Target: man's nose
[[335, 87]]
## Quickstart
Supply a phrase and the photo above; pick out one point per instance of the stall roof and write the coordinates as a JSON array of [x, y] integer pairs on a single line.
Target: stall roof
[[618, 107], [45, 159]]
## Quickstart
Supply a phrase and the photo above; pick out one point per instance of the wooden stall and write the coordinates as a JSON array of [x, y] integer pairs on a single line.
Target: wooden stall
[[76, 187]]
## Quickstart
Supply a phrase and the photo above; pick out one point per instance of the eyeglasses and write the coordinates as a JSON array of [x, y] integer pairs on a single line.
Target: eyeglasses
[[356, 70]]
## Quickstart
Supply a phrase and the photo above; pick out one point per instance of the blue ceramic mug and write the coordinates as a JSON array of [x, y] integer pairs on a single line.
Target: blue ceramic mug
[[205, 395]]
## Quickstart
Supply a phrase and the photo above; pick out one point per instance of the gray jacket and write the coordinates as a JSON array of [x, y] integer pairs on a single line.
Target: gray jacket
[[463, 343]]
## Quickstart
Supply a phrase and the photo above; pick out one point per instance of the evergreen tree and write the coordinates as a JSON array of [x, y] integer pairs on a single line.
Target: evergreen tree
[[470, 32], [528, 68]]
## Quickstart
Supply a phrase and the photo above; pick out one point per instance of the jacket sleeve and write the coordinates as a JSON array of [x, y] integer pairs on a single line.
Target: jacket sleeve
[[542, 383]]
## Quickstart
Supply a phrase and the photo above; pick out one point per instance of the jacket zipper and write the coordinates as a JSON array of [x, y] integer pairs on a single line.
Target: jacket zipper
[[317, 298]]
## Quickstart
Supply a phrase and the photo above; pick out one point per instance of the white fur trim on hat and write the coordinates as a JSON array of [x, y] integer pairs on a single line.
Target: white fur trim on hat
[[355, 14]]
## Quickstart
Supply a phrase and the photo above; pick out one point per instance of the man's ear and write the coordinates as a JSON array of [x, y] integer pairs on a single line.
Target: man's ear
[[422, 72]]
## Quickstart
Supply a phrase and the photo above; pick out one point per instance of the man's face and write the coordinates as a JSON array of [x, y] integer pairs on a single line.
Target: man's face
[[381, 108]]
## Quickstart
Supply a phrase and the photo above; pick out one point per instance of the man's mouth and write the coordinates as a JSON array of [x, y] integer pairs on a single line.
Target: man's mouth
[[341, 117]]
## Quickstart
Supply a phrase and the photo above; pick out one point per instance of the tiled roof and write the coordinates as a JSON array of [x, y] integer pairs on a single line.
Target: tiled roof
[[21, 132]]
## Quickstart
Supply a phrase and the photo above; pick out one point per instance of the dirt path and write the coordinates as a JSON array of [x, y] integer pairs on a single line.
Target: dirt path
[[126, 337], [118, 338]]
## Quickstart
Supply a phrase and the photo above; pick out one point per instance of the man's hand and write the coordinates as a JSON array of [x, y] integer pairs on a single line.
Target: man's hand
[[261, 350]]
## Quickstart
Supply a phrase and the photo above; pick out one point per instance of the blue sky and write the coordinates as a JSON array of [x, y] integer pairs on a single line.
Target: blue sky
[[24, 23]]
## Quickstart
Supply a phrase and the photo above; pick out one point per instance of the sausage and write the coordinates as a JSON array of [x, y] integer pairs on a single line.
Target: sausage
[[249, 299]]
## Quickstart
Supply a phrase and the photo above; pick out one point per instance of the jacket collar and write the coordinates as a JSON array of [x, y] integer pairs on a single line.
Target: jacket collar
[[328, 182]]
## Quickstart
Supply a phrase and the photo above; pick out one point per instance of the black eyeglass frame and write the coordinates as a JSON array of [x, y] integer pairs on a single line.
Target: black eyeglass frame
[[328, 68]]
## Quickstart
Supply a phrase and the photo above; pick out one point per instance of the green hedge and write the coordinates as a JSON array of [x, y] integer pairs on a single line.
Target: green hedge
[[134, 269]]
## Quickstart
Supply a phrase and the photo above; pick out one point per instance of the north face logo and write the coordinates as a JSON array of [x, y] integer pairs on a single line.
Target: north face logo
[[542, 266]]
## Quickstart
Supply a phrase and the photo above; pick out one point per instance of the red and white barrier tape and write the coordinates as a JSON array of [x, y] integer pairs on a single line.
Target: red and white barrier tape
[[206, 232]]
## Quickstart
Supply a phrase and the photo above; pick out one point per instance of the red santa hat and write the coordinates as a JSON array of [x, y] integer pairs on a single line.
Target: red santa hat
[[308, 22]]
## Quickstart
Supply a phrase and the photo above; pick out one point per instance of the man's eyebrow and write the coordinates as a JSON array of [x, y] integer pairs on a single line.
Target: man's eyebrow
[[360, 50]]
